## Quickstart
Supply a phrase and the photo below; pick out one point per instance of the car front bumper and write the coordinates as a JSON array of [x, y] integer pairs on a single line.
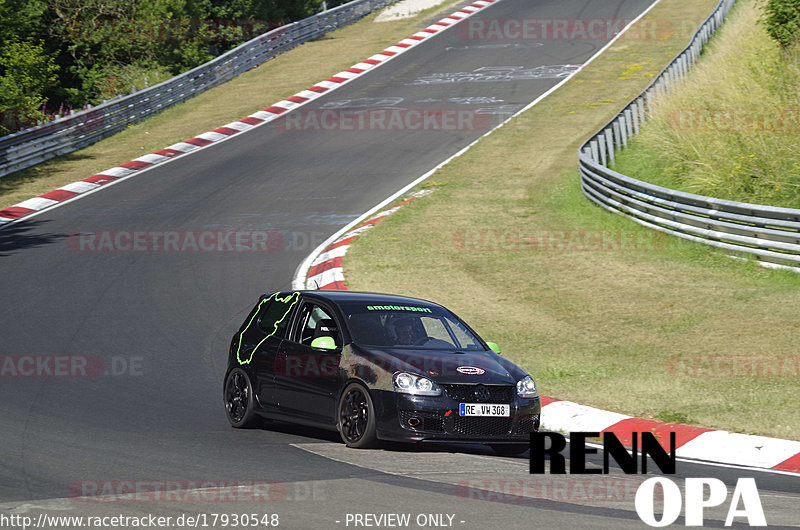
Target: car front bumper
[[406, 418]]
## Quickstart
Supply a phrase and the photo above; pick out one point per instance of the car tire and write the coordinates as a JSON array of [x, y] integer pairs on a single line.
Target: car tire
[[355, 417], [239, 401], [509, 449]]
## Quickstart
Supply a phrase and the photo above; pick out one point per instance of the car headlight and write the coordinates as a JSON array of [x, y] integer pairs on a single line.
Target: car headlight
[[526, 388], [416, 385]]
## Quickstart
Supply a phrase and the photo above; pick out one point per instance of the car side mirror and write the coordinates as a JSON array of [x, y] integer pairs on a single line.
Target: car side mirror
[[494, 347], [324, 343]]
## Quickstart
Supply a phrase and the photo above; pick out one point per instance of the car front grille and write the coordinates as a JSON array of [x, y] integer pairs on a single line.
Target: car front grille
[[481, 426], [473, 393]]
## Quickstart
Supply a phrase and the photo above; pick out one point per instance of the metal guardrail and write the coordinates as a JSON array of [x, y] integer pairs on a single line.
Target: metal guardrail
[[770, 233], [70, 133]]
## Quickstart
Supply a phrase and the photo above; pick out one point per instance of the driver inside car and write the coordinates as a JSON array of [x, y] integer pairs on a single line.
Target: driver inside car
[[407, 333]]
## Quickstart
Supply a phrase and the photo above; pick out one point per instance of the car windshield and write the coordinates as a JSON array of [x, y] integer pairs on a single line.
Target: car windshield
[[408, 326]]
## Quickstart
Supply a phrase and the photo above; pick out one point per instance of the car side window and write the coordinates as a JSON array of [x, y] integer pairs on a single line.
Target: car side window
[[274, 319], [315, 321]]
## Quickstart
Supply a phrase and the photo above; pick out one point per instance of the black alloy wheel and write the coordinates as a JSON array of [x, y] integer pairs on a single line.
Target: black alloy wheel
[[356, 418], [239, 403]]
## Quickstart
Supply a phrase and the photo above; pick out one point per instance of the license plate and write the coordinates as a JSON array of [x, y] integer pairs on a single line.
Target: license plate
[[483, 409]]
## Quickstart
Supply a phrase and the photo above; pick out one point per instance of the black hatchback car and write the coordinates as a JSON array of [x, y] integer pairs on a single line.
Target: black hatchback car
[[376, 367]]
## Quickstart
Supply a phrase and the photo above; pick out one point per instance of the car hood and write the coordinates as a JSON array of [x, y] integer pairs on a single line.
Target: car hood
[[447, 366]]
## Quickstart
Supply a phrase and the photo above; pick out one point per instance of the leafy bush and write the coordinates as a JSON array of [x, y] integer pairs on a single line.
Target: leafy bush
[[25, 75], [783, 21]]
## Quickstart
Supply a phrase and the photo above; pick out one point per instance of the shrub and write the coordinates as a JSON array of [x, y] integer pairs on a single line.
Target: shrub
[[783, 21]]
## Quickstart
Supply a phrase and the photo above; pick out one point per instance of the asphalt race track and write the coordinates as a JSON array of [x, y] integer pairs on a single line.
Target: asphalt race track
[[140, 337]]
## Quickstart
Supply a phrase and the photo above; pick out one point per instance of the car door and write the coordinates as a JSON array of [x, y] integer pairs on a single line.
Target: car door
[[308, 382], [261, 342]]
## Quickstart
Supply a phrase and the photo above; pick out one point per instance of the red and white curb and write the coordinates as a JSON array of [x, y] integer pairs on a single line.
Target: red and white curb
[[697, 443], [128, 169], [690, 442], [325, 271]]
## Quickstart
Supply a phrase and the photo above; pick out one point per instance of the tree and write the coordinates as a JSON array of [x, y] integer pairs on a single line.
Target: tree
[[26, 73]]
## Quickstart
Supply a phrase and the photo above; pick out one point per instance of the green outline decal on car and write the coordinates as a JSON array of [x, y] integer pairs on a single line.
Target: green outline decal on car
[[274, 296]]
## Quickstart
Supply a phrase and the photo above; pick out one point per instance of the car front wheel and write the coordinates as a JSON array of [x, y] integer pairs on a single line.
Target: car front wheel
[[356, 417]]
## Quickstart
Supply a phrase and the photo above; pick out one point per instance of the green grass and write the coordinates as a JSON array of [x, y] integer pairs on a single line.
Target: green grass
[[508, 241], [732, 129]]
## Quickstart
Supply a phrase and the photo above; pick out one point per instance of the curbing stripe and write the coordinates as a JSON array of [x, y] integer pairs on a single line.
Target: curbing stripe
[[330, 280], [135, 165], [100, 179], [79, 187], [59, 195], [734, 448], [683, 433], [118, 172], [240, 125], [37, 203], [198, 142], [790, 464], [568, 416], [15, 212], [182, 147]]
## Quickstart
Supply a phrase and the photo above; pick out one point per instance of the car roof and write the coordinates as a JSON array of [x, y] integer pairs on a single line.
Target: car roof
[[368, 298]]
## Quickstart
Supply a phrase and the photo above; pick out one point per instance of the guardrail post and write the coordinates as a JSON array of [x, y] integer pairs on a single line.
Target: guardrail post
[[648, 96], [601, 144], [593, 149], [640, 106], [610, 144], [628, 122]]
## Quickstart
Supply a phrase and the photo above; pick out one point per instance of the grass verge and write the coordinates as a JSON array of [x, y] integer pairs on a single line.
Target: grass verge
[[732, 128], [256, 89], [602, 311]]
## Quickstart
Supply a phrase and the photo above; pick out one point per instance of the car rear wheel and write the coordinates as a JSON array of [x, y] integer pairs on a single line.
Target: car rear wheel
[[239, 403], [356, 417]]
